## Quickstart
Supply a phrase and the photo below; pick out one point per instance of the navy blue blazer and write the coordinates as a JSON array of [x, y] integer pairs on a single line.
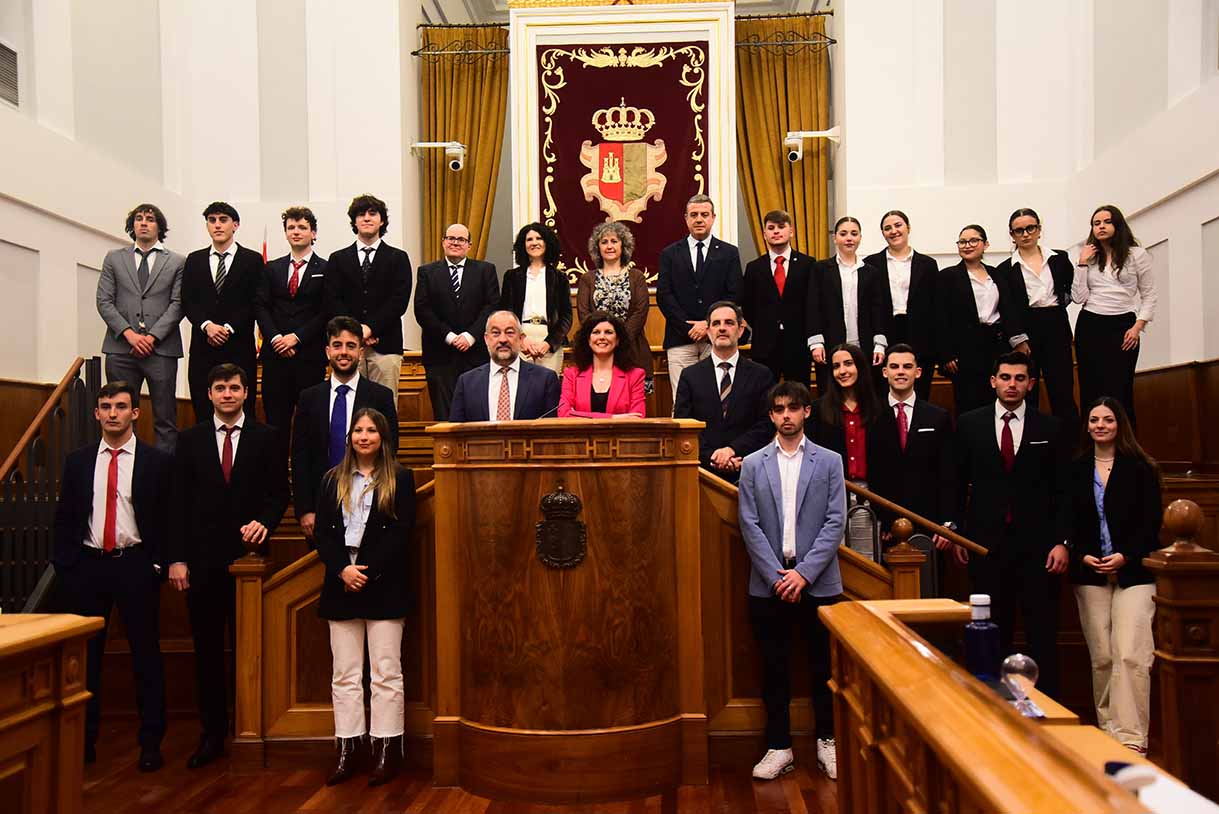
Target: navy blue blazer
[[537, 394], [280, 313], [683, 297]]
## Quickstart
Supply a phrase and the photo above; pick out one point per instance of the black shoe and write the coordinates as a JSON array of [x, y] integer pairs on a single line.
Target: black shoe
[[151, 760], [90, 753], [348, 761], [209, 749], [386, 760]]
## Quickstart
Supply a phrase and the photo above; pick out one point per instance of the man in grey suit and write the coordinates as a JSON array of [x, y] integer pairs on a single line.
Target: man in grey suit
[[792, 510], [139, 297]]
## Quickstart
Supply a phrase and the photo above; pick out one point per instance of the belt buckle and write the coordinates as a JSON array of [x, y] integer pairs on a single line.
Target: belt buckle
[[117, 553]]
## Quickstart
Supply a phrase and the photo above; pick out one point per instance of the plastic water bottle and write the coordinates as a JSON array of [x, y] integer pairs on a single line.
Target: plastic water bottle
[[981, 640]]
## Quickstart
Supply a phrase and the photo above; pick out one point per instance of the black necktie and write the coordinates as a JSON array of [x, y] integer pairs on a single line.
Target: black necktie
[[366, 266], [725, 386], [699, 261], [141, 273], [221, 272]]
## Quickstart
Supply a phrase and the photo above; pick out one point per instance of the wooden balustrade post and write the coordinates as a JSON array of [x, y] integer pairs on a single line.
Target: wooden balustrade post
[[1187, 647], [249, 749], [905, 562]]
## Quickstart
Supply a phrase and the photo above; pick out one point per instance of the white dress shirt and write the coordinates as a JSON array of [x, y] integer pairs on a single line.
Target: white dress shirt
[[720, 373], [155, 253], [908, 401], [300, 275], [493, 386], [1132, 289], [461, 270], [355, 517], [1017, 425], [213, 261], [126, 530], [372, 255], [849, 276], [1039, 282], [351, 398], [535, 295], [692, 245], [899, 280], [789, 478], [217, 423], [986, 298]]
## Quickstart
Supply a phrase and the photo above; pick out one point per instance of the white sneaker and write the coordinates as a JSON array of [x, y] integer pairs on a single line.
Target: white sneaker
[[827, 757], [774, 763]]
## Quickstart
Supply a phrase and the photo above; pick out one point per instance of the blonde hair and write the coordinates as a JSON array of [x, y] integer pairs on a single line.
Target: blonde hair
[[384, 480]]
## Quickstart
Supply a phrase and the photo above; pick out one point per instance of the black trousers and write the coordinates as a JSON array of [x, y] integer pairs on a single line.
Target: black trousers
[[774, 622], [926, 358], [1104, 368], [211, 601], [971, 383], [282, 383], [93, 587], [442, 381], [1016, 579], [789, 358], [1053, 367]]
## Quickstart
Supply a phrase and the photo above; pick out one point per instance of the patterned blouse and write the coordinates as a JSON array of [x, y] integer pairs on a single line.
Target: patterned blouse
[[612, 294]]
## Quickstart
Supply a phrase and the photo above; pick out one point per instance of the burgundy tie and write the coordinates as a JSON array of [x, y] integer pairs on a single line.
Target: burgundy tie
[[226, 457], [109, 538], [780, 275], [903, 425], [295, 280], [1007, 448]]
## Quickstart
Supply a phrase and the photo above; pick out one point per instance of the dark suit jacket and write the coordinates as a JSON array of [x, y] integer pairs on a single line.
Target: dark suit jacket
[[920, 304], [923, 478], [682, 296], [958, 318], [304, 315], [209, 513], [234, 305], [311, 435], [764, 310], [746, 427], [150, 493], [537, 394], [558, 302], [825, 309], [1061, 270], [834, 436], [1035, 489], [1132, 512], [379, 305], [384, 548], [439, 312]]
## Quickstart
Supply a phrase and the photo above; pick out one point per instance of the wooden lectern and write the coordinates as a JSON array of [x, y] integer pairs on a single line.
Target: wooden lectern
[[568, 610]]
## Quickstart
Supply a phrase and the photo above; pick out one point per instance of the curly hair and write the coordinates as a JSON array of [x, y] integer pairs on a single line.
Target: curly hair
[[364, 203], [550, 257], [624, 237], [582, 352], [151, 209]]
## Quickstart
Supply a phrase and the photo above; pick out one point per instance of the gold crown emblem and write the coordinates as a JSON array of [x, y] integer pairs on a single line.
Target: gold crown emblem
[[623, 123]]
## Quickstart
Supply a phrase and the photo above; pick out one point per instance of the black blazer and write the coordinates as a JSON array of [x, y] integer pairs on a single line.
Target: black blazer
[[765, 311], [958, 318], [389, 593], [439, 312], [1035, 489], [304, 315], [920, 304], [923, 479], [311, 435], [1132, 512], [747, 426], [537, 395], [233, 305], [1061, 270], [150, 494], [209, 513], [558, 302], [381, 303], [682, 296], [825, 310]]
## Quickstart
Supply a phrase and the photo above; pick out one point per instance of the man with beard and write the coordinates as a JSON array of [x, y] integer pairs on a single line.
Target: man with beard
[[507, 388]]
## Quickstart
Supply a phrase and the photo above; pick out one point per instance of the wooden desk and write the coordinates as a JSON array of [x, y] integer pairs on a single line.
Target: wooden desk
[[42, 711], [1094, 745], [1055, 713]]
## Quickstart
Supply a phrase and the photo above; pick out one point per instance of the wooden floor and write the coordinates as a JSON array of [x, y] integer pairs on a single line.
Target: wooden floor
[[114, 785]]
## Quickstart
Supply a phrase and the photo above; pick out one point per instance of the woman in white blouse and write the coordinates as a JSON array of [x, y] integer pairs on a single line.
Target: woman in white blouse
[[1114, 284]]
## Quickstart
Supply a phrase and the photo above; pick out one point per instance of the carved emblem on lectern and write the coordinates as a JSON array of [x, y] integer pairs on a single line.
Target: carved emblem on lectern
[[562, 538]]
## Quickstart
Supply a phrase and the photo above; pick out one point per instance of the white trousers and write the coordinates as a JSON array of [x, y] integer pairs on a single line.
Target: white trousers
[[382, 368], [1117, 625], [681, 357], [552, 360], [385, 674]]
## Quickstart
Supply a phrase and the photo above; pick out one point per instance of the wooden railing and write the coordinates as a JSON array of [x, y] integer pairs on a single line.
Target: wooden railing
[[29, 485]]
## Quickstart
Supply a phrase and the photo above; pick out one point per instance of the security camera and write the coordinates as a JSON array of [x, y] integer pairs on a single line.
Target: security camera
[[794, 147], [455, 157]]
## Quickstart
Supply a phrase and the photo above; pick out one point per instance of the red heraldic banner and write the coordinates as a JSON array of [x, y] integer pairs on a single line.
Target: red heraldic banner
[[624, 138]]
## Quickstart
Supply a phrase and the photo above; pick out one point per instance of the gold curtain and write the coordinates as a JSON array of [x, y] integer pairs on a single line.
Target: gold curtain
[[465, 98], [777, 92]]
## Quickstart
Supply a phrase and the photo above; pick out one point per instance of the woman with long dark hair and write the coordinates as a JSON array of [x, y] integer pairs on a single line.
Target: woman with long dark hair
[[539, 295], [1115, 497], [365, 518], [1114, 284], [604, 382]]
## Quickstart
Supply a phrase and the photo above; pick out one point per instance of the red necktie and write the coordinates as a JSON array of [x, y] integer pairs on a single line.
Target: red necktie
[[112, 498], [780, 275], [1007, 448], [226, 457], [903, 425], [295, 280]]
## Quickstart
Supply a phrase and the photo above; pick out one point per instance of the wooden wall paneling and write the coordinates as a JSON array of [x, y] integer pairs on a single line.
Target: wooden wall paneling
[[1169, 421], [1207, 378], [247, 747], [22, 401]]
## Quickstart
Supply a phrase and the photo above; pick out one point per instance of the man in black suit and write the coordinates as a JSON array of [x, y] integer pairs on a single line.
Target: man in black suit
[[454, 298], [1012, 466], [323, 417], [110, 537], [291, 315], [371, 281], [773, 302], [728, 393], [230, 491], [694, 272], [516, 391], [910, 453], [219, 288]]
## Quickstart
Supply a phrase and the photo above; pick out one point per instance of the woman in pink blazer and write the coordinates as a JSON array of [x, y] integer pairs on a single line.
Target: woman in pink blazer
[[605, 382]]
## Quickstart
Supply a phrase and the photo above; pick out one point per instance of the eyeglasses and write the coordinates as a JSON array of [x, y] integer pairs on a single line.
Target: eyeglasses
[[1021, 231], [969, 242], [457, 240]]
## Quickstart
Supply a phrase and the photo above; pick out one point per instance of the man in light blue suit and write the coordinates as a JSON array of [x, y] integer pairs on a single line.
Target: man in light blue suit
[[792, 510]]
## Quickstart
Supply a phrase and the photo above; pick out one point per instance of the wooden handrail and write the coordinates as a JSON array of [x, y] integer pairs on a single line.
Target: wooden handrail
[[943, 531], [44, 413]]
